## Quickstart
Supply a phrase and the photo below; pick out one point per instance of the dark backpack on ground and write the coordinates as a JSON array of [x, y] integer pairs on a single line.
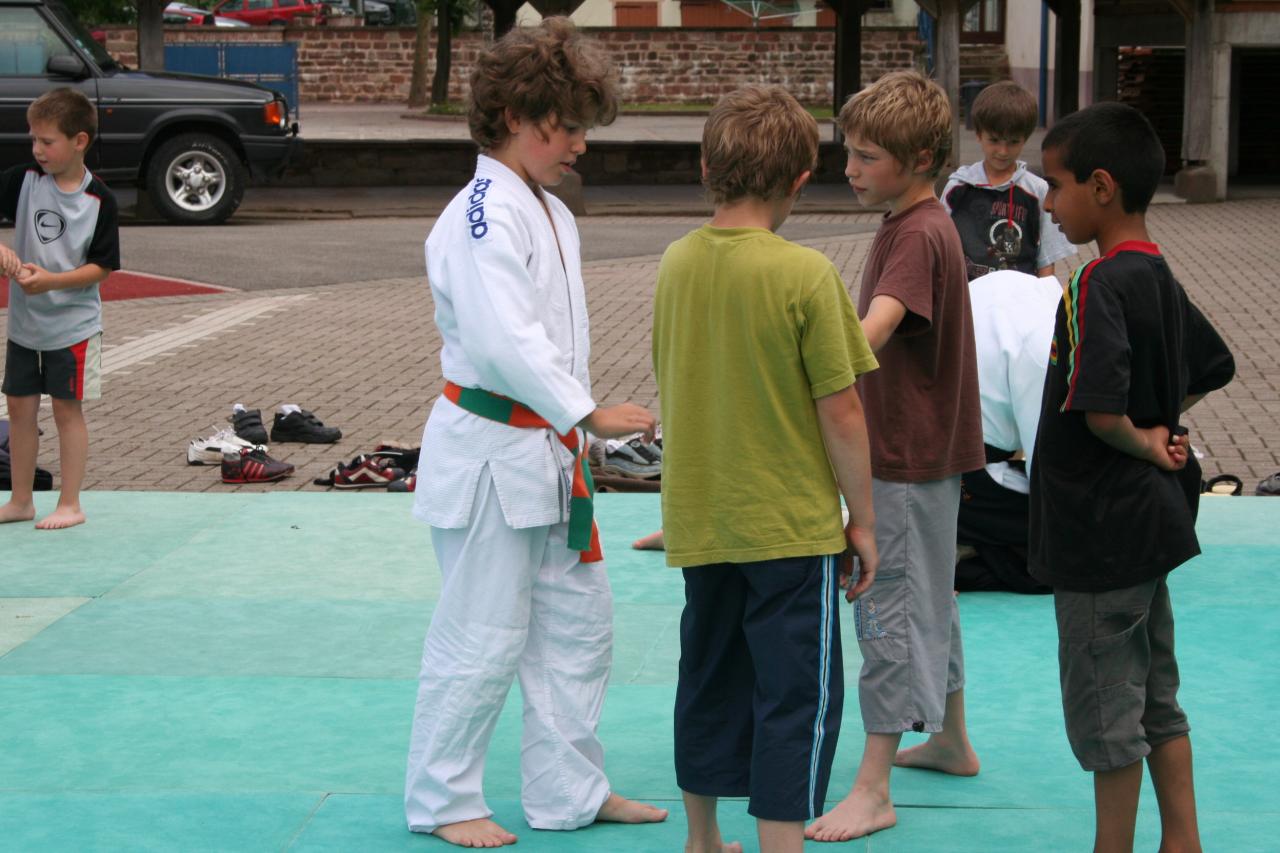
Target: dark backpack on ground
[[43, 479]]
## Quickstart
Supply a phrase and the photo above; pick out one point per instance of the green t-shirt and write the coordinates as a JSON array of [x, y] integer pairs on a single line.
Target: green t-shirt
[[748, 330]]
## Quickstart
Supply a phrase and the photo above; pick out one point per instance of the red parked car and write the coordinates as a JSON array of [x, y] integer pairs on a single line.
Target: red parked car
[[265, 12]]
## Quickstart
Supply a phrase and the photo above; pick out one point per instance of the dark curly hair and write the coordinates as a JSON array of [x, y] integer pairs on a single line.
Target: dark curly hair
[[542, 72]]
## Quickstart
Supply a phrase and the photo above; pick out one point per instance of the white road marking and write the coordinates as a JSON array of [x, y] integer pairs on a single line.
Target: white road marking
[[156, 343]]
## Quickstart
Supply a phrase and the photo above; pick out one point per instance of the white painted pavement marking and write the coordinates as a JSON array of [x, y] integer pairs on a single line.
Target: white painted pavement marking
[[159, 343]]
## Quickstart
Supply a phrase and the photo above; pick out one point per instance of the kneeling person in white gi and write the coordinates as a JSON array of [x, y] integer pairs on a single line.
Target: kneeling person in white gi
[[503, 480]]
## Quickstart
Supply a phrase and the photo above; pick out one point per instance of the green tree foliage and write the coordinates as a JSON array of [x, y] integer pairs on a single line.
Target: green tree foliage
[[96, 12]]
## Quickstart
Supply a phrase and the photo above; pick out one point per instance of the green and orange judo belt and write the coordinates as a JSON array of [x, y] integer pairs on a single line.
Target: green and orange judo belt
[[584, 535]]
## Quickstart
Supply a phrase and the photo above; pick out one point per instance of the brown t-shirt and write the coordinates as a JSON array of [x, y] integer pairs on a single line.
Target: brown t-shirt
[[922, 406]]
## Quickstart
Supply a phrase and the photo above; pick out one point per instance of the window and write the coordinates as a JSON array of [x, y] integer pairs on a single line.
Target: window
[[253, 5], [984, 23], [289, 4], [27, 43], [635, 13]]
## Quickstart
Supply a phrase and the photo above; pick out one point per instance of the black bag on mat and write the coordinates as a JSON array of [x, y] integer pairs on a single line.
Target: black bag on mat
[[43, 480]]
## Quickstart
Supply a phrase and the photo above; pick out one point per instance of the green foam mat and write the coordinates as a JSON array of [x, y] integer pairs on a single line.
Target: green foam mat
[[237, 672], [152, 823]]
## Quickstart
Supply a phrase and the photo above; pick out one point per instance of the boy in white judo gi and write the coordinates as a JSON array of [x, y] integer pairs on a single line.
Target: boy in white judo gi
[[503, 480]]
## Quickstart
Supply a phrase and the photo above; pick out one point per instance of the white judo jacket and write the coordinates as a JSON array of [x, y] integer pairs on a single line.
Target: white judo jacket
[[512, 313], [1013, 317]]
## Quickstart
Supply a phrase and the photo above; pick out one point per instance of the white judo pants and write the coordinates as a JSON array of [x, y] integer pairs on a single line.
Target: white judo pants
[[514, 603]]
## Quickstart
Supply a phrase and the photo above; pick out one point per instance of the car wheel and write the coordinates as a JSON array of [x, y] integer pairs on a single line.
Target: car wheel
[[279, 23], [196, 179]]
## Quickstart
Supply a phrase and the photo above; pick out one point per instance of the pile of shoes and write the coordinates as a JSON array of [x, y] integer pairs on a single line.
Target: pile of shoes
[[241, 450], [633, 457], [626, 465], [292, 423], [391, 466]]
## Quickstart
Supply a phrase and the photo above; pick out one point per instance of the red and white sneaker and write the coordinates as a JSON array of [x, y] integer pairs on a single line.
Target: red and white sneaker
[[251, 465], [365, 472]]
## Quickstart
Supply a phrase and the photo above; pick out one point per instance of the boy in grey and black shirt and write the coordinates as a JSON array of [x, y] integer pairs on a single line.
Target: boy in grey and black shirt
[[66, 241]]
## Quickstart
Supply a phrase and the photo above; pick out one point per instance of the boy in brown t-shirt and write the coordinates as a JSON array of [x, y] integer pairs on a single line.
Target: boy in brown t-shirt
[[925, 429]]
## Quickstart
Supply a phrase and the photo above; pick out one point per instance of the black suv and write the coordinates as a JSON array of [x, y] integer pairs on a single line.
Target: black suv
[[191, 142]]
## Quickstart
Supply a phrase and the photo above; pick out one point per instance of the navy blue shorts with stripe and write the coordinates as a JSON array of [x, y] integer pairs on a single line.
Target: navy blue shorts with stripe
[[761, 686]]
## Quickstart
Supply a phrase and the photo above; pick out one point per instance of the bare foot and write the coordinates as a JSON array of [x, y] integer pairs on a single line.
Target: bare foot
[[652, 542], [943, 757], [481, 832], [861, 813], [731, 847], [62, 516], [618, 809], [17, 512]]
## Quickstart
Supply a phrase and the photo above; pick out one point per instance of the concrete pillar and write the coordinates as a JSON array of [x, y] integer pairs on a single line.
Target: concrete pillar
[[1066, 58], [1196, 181], [946, 69], [1220, 119], [848, 72]]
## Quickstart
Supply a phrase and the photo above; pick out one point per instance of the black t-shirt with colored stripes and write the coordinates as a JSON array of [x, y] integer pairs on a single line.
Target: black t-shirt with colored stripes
[[1127, 340]]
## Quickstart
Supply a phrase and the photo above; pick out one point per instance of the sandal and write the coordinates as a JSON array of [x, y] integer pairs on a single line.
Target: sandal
[[1223, 484]]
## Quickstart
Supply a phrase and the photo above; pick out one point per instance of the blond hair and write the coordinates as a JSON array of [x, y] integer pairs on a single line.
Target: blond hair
[[66, 109], [547, 72], [904, 113], [756, 142]]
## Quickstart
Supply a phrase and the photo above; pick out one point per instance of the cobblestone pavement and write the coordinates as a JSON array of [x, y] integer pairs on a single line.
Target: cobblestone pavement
[[365, 356]]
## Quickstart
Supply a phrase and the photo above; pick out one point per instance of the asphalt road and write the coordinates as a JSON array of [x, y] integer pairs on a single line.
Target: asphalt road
[[262, 255]]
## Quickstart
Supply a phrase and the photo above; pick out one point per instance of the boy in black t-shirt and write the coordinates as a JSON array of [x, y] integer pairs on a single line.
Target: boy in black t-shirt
[[1114, 490]]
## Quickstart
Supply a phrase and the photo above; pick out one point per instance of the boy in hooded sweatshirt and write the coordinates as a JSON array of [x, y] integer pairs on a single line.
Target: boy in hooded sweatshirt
[[998, 204]]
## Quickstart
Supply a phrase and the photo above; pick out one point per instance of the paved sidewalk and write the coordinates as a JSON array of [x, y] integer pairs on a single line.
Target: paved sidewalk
[[384, 122], [365, 356]]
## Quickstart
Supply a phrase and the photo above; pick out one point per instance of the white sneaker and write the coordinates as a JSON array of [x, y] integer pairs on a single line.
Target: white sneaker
[[208, 451]]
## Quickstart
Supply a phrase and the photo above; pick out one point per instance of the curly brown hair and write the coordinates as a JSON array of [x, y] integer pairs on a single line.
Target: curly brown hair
[[756, 142], [547, 72], [66, 109]]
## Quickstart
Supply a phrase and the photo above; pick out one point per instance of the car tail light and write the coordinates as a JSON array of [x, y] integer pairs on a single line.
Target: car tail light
[[275, 113]]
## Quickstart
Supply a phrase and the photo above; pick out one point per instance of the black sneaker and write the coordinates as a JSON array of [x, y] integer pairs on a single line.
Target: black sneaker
[[247, 423], [302, 426]]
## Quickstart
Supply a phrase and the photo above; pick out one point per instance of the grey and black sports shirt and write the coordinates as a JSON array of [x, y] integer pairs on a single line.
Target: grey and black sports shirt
[[59, 231]]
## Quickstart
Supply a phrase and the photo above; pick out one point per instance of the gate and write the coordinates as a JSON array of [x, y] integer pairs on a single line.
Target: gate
[[273, 66]]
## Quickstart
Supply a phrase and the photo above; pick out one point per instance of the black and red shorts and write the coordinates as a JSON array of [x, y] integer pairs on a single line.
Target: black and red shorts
[[71, 373]]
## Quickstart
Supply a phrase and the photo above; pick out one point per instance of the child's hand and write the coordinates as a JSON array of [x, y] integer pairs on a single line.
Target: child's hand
[[1167, 452], [862, 544], [619, 421], [10, 263], [34, 279]]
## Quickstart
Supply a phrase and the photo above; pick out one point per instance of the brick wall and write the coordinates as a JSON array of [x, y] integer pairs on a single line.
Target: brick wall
[[660, 65]]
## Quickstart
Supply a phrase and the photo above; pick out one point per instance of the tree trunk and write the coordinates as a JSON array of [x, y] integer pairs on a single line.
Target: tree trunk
[[421, 55], [504, 16], [444, 55], [151, 35]]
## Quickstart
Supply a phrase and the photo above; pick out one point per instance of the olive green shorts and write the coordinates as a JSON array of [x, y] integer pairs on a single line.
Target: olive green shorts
[[1119, 673]]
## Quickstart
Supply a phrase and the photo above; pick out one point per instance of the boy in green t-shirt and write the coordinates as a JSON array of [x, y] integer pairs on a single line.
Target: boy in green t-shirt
[[756, 347]]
